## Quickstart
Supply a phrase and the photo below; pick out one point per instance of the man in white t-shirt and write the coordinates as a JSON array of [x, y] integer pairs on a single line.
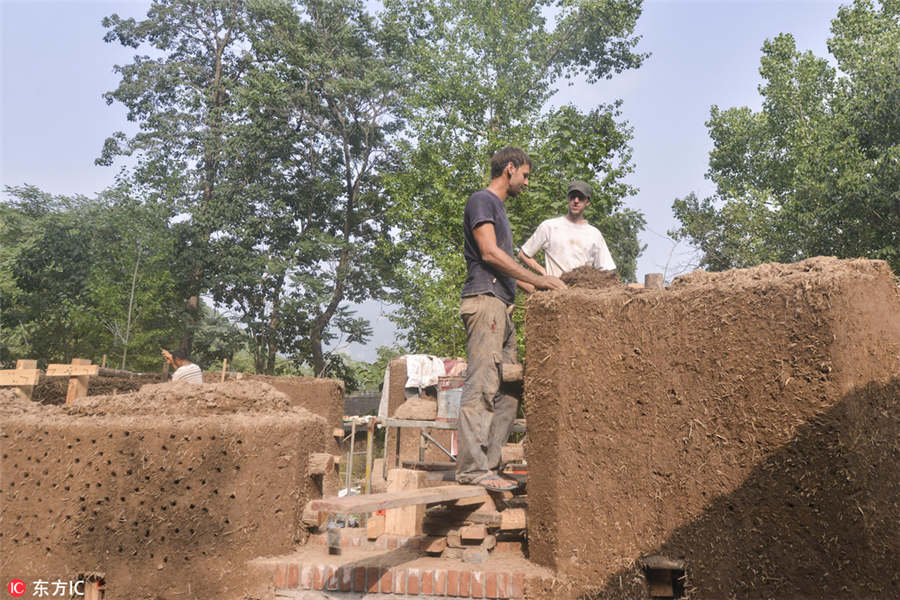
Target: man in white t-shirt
[[185, 370], [569, 241]]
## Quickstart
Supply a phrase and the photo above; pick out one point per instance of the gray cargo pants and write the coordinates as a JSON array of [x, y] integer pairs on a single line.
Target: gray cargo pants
[[485, 414]]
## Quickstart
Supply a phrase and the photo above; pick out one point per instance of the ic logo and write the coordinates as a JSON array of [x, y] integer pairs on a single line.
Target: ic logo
[[16, 588]]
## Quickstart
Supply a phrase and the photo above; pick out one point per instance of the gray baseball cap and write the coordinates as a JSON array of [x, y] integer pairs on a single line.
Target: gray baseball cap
[[580, 186]]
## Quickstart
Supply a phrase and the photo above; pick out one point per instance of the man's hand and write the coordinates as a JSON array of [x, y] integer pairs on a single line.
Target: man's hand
[[549, 282], [167, 355]]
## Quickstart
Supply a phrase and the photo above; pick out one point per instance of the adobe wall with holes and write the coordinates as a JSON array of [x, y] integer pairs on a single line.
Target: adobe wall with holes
[[166, 488], [746, 422]]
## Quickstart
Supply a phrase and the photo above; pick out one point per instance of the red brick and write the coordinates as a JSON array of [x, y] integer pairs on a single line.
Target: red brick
[[490, 585], [518, 586], [412, 581], [440, 582], [399, 581], [306, 577], [504, 585], [293, 576], [465, 583], [373, 578], [359, 579], [427, 581], [319, 577], [453, 583], [332, 582], [387, 581], [477, 584], [280, 576], [345, 578]]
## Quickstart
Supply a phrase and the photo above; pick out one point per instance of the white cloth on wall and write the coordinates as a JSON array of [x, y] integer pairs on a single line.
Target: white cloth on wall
[[423, 370], [385, 393]]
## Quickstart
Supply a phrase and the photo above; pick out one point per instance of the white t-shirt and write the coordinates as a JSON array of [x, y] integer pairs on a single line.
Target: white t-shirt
[[188, 373], [568, 246]]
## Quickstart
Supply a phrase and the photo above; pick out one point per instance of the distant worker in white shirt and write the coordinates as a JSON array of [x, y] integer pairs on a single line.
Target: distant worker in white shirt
[[569, 241], [185, 370]]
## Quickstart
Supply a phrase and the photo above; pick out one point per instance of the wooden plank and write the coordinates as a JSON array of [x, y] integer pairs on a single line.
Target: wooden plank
[[513, 518], [375, 527], [78, 385], [473, 501], [73, 370], [30, 364], [472, 533], [405, 520], [19, 377], [518, 425], [421, 465], [375, 502]]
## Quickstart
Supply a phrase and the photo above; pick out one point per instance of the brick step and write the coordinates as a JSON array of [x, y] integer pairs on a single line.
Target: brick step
[[400, 572]]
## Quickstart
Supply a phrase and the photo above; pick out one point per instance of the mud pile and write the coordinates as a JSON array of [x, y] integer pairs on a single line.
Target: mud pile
[[166, 491], [744, 421]]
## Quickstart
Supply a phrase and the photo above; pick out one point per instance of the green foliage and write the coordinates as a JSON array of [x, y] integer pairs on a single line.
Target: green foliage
[[85, 277], [817, 170], [484, 75]]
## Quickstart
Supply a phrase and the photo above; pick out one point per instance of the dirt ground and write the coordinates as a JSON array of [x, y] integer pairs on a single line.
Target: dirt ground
[[746, 422], [167, 491]]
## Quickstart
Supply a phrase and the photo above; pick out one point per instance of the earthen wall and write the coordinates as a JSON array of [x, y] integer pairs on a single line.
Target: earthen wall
[[746, 422]]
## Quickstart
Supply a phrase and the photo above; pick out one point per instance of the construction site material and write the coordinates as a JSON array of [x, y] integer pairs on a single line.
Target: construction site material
[[511, 372], [375, 502], [406, 520], [320, 463], [745, 421], [24, 377]]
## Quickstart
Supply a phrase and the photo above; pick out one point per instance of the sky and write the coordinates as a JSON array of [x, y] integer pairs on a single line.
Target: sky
[[56, 66]]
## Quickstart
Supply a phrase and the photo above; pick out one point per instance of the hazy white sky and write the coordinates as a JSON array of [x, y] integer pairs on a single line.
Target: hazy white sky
[[56, 66]]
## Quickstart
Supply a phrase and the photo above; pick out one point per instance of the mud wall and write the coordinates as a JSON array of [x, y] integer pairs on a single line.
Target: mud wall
[[167, 491], [745, 421]]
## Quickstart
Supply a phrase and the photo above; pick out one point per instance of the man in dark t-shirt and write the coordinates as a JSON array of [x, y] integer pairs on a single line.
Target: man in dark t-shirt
[[486, 415]]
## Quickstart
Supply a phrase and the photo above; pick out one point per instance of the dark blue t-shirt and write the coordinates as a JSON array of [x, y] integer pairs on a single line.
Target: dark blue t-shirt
[[485, 207]]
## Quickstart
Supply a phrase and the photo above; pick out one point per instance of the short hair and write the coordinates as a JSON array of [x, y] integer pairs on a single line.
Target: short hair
[[507, 155], [181, 355]]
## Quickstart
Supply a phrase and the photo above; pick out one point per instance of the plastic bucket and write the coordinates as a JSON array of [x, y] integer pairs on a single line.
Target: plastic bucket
[[449, 396]]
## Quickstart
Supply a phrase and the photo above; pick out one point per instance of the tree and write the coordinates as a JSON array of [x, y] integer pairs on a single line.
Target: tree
[[181, 99], [817, 169], [484, 75], [317, 116], [76, 280]]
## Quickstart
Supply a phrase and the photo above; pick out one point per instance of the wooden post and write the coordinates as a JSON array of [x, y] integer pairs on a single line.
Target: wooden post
[[406, 521], [653, 281], [370, 442], [224, 367], [165, 371], [26, 364], [78, 384], [350, 455], [103, 362]]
